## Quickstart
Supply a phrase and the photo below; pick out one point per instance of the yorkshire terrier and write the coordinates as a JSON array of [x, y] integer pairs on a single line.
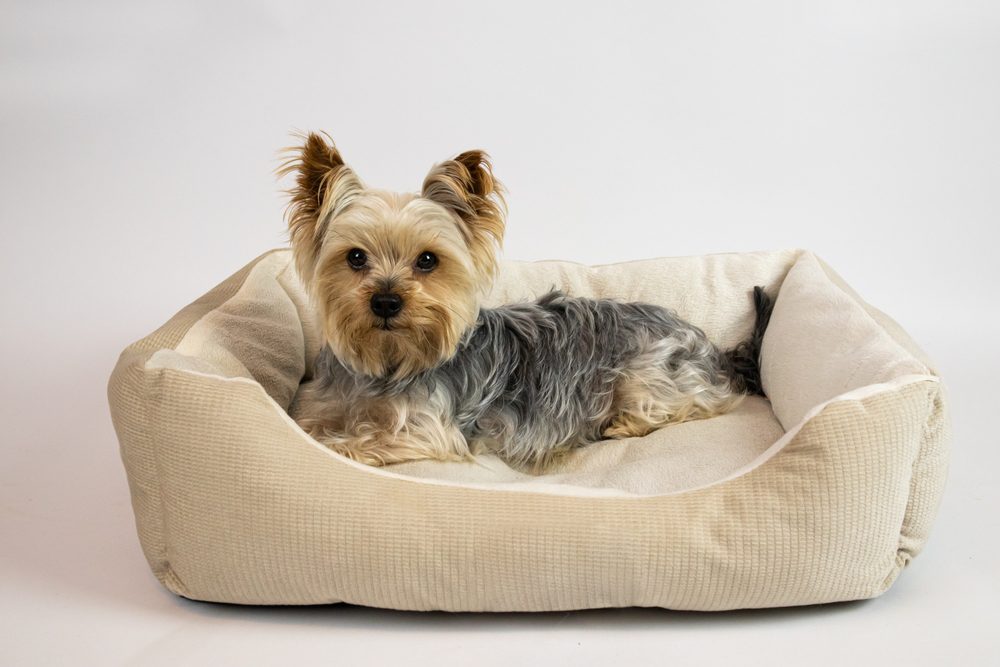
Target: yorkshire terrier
[[412, 367]]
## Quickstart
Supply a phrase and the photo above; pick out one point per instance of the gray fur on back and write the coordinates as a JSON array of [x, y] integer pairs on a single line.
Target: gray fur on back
[[533, 379]]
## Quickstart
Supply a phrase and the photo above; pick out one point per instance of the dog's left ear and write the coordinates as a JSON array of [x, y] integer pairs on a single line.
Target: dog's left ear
[[465, 185]]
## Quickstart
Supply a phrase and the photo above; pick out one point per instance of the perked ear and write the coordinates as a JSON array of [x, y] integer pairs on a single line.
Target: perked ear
[[465, 186], [324, 186]]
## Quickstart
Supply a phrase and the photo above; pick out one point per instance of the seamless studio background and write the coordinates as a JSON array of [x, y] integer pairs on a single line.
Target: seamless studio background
[[137, 149]]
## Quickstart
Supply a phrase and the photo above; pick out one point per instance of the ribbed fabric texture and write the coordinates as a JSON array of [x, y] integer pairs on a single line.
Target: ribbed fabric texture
[[234, 503]]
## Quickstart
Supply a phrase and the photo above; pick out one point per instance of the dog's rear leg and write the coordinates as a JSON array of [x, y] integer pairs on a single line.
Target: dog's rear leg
[[650, 397]]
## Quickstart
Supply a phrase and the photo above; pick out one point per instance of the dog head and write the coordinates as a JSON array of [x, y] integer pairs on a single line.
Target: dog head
[[396, 278]]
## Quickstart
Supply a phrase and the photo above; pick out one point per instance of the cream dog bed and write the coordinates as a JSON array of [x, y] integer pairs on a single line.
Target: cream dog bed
[[822, 494]]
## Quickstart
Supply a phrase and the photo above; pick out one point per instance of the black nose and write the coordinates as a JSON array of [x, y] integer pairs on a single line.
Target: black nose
[[386, 304]]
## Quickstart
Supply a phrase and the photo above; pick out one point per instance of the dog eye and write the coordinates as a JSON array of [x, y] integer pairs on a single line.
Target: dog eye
[[427, 261], [357, 258]]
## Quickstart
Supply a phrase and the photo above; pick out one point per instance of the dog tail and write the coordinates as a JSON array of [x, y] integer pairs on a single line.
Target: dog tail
[[744, 359]]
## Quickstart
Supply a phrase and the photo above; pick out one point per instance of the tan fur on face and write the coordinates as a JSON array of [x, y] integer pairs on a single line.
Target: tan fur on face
[[459, 218], [438, 307]]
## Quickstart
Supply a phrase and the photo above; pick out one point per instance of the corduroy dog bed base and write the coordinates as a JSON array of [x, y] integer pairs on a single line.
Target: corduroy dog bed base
[[820, 495]]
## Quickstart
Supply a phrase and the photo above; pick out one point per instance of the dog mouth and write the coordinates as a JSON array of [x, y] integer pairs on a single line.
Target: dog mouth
[[384, 324]]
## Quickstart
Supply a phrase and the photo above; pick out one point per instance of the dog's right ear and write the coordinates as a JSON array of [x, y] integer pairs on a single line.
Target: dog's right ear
[[324, 187]]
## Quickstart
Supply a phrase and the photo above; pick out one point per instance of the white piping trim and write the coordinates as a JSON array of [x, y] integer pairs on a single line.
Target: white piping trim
[[853, 395]]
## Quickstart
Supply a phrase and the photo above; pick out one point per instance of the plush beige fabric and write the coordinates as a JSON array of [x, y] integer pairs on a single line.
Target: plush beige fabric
[[822, 343], [822, 496]]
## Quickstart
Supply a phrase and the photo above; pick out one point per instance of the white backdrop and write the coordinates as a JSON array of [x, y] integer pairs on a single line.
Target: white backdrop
[[137, 145]]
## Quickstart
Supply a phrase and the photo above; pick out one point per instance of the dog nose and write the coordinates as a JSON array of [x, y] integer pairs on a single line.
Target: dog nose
[[386, 304]]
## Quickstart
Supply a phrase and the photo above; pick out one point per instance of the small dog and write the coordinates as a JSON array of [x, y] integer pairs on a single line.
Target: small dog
[[412, 367]]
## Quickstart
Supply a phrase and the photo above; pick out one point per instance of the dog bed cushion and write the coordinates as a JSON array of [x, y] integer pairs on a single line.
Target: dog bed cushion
[[822, 493]]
